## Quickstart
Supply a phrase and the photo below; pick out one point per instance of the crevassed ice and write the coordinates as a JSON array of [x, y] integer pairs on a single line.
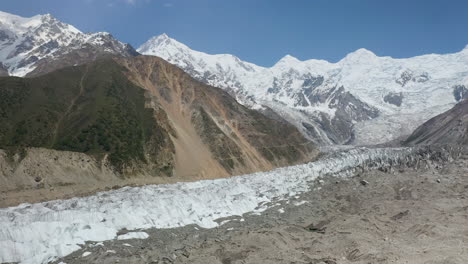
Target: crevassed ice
[[38, 233]]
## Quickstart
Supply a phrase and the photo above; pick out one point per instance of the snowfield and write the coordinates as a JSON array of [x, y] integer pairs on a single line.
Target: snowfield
[[39, 233]]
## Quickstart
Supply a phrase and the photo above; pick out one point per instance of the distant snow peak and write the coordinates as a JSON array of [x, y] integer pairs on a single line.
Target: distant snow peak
[[360, 55], [364, 52], [162, 44], [47, 17], [287, 60], [157, 40]]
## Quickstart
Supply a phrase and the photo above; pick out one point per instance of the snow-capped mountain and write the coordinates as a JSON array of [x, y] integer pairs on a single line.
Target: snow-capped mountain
[[362, 99], [42, 43], [223, 70]]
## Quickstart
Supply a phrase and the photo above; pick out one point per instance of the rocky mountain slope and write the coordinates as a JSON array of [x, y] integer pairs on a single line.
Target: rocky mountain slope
[[450, 127], [362, 99], [208, 122], [138, 117], [41, 44]]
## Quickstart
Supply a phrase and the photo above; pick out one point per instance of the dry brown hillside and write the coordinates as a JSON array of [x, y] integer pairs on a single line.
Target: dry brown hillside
[[215, 134], [129, 121]]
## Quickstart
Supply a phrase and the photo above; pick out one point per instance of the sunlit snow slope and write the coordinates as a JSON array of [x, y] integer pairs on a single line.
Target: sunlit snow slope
[[362, 99]]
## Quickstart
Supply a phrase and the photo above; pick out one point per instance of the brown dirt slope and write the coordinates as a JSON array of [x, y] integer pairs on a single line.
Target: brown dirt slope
[[215, 134]]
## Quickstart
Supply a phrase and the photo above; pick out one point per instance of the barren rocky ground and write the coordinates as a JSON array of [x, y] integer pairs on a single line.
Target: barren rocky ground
[[406, 216]]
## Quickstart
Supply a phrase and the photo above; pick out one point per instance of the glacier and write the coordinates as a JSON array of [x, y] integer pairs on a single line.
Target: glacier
[[42, 232]]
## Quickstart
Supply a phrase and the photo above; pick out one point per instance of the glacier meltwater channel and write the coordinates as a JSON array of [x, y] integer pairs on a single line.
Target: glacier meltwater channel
[[42, 232]]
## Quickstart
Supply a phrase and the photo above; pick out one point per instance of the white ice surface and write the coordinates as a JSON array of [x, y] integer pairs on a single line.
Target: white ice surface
[[38, 233]]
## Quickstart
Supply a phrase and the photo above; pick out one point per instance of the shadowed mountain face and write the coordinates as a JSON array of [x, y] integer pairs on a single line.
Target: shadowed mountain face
[[136, 116], [450, 127]]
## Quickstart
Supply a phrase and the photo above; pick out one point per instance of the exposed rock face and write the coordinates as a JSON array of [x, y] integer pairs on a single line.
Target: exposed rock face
[[394, 98], [409, 76], [41, 44], [460, 92], [140, 120], [450, 127], [338, 123]]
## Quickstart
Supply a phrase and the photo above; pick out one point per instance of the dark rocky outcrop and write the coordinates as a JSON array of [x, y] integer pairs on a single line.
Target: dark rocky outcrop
[[460, 92], [409, 75], [394, 98]]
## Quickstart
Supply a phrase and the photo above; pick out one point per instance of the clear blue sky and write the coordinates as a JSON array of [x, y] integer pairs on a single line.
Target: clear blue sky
[[263, 31]]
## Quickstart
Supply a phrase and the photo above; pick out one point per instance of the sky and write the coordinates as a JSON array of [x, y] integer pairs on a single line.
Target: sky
[[263, 31]]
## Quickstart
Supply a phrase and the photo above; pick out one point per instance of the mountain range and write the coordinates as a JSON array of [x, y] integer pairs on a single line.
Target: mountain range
[[362, 99]]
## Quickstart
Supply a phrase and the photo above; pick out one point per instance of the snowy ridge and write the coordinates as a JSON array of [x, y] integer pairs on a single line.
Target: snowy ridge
[[221, 70], [38, 233], [25, 41], [382, 97]]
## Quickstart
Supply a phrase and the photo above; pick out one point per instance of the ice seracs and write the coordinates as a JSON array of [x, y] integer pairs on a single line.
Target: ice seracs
[[39, 233]]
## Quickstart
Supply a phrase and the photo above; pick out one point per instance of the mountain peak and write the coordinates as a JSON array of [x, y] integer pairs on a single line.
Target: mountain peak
[[163, 36], [360, 54], [288, 60], [363, 52], [159, 38], [162, 41], [47, 16]]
